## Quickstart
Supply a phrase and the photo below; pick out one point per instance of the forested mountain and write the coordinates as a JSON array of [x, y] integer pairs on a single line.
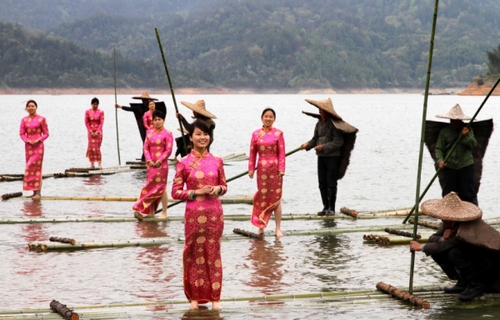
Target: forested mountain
[[30, 59], [279, 44]]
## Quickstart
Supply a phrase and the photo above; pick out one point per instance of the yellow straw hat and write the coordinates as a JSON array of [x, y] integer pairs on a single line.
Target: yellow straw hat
[[199, 107], [455, 113], [144, 95], [325, 105], [451, 208]]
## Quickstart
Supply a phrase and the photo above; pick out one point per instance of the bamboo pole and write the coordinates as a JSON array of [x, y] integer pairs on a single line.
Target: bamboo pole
[[405, 296], [228, 200], [349, 212], [65, 312], [426, 223], [63, 240], [392, 239], [233, 178], [171, 89], [116, 110], [248, 234], [11, 195], [422, 138], [453, 148], [401, 233]]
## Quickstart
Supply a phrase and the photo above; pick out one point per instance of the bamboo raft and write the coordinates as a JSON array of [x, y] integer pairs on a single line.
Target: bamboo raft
[[224, 200], [341, 299], [42, 246]]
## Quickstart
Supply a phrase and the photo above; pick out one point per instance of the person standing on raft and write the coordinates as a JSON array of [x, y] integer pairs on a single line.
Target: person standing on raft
[[333, 141], [200, 181], [94, 121], [157, 148], [33, 131], [268, 143]]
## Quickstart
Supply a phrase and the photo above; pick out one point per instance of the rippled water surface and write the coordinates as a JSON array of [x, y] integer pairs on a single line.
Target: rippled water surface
[[382, 175]]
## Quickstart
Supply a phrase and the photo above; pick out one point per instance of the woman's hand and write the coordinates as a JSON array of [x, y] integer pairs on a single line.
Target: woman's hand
[[250, 174], [281, 174], [215, 190], [203, 190]]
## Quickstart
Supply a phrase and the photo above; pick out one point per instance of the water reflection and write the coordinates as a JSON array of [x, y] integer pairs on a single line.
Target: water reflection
[[33, 231], [267, 262], [95, 180], [155, 273]]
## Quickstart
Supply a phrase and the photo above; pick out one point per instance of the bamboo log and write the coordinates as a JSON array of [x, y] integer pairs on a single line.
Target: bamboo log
[[63, 240], [11, 195], [79, 170], [426, 223], [63, 310], [349, 212], [60, 175], [402, 295], [402, 233], [248, 234], [392, 239]]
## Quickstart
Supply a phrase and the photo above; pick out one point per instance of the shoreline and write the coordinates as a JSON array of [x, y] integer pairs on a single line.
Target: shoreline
[[153, 91]]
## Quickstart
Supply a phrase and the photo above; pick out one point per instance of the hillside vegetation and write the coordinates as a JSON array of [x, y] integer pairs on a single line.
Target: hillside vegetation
[[261, 44]]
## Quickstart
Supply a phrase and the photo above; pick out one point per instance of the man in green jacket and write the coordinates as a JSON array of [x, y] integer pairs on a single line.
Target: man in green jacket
[[458, 170]]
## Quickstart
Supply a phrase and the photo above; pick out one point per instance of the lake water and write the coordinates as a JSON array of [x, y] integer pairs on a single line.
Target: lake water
[[382, 175]]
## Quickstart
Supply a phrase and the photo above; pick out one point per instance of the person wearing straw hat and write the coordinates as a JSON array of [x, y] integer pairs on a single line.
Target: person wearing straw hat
[[458, 170], [179, 142], [465, 247], [139, 109], [201, 113], [333, 141]]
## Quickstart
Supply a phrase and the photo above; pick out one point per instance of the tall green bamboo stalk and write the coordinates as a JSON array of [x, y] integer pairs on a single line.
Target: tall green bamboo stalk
[[422, 138], [116, 110], [171, 89]]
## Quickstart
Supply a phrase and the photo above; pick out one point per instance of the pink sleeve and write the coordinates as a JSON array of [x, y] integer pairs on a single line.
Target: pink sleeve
[[22, 131], [168, 146], [101, 121], [147, 155], [178, 191], [252, 154], [222, 176], [45, 130], [281, 153], [87, 120]]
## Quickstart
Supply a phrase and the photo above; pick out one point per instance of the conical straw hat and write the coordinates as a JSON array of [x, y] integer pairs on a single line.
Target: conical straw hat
[[451, 208], [199, 107], [144, 95], [325, 105], [455, 113]]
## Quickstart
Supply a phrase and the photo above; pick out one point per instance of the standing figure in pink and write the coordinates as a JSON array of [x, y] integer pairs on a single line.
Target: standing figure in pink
[[269, 143], [157, 148], [94, 120], [147, 118], [200, 180], [33, 131]]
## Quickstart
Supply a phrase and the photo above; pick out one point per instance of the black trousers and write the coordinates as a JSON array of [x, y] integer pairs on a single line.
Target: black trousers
[[462, 182], [328, 168]]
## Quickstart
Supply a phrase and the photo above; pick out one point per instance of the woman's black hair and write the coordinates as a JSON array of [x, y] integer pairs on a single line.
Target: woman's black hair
[[266, 110], [202, 125], [159, 114], [29, 101], [94, 100]]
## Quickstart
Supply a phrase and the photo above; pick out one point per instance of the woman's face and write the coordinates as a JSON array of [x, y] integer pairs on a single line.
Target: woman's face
[[31, 108], [95, 105], [268, 119], [200, 139], [151, 106], [158, 122]]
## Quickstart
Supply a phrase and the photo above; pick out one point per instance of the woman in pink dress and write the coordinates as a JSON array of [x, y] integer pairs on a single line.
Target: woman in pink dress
[[157, 149], [269, 143], [200, 180], [33, 131], [147, 118], [94, 120]]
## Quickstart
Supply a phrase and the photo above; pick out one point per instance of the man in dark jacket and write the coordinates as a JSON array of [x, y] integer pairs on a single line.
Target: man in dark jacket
[[465, 247]]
